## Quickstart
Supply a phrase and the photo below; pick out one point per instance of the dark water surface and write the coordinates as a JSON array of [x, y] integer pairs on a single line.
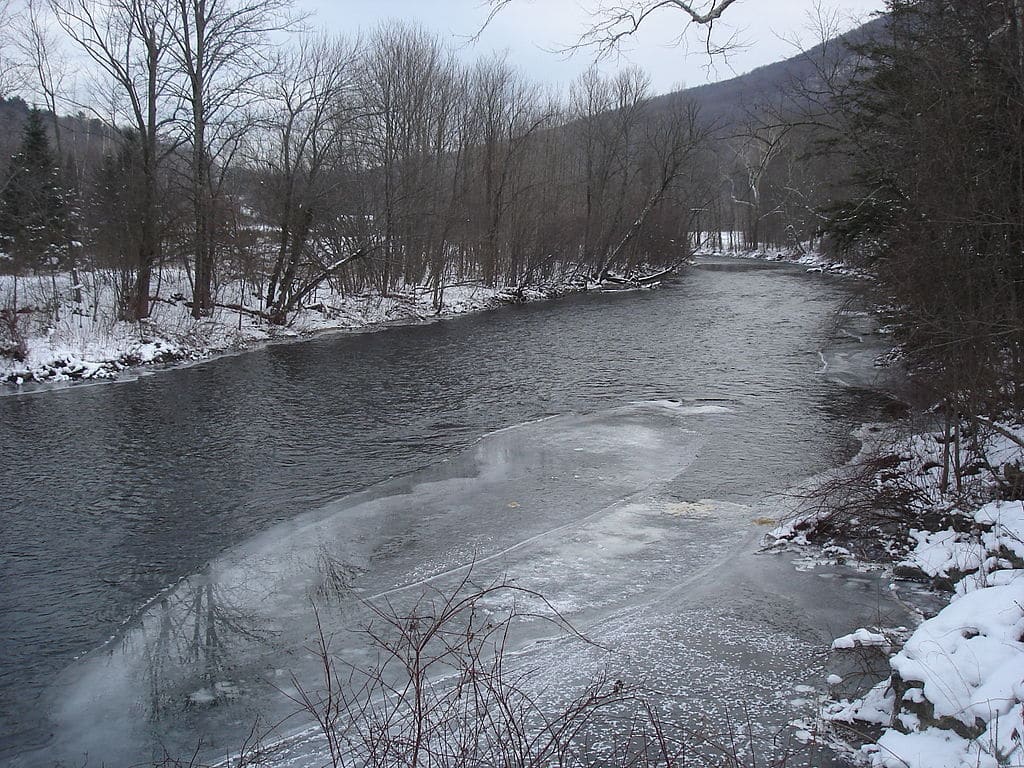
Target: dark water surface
[[108, 494]]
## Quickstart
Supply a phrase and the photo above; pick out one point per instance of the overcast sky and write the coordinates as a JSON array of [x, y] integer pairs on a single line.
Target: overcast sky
[[533, 30]]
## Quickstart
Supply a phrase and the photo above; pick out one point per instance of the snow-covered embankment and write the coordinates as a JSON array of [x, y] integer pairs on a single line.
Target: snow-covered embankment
[[955, 696], [60, 340]]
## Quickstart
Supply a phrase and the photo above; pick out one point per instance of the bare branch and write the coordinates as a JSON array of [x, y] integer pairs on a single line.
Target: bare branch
[[614, 22]]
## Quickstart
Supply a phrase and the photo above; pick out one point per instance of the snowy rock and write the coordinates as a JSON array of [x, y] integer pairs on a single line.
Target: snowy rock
[[956, 692], [1006, 537], [932, 748], [968, 661], [942, 557], [958, 683], [862, 638], [997, 747], [876, 708]]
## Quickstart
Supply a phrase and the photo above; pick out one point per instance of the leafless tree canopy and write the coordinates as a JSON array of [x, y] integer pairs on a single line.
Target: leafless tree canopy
[[613, 22], [243, 150]]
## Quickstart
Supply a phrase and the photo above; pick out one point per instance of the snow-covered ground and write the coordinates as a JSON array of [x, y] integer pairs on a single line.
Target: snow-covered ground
[[955, 696], [62, 340], [807, 255]]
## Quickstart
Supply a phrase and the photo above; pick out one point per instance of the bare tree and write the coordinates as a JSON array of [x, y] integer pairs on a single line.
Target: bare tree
[[393, 166], [758, 142], [42, 53], [310, 110], [674, 138], [47, 71], [508, 112], [609, 116], [220, 49], [128, 40], [402, 81]]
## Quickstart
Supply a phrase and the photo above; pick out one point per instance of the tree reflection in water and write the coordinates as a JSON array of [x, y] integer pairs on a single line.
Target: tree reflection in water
[[192, 638]]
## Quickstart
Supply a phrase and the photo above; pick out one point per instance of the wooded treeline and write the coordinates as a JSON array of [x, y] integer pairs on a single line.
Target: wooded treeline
[[246, 148], [238, 147]]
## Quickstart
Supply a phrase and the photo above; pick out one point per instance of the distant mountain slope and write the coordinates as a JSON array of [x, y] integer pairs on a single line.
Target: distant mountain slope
[[724, 102]]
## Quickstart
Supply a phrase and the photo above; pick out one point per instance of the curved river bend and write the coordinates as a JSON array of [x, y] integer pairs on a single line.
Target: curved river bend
[[646, 431]]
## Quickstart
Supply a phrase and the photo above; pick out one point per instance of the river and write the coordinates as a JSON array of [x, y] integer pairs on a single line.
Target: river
[[613, 452]]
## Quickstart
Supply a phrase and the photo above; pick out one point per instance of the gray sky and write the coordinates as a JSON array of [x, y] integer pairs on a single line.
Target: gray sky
[[532, 30]]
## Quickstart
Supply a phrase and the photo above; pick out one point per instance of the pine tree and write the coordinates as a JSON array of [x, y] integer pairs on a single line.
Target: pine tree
[[32, 206]]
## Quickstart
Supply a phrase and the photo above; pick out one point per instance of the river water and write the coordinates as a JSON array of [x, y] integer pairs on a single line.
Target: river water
[[161, 539]]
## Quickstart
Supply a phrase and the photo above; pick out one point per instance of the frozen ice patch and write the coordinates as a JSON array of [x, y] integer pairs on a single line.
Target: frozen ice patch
[[685, 409]]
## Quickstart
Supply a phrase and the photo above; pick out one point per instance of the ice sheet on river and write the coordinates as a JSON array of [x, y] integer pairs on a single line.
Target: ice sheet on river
[[575, 507], [563, 504]]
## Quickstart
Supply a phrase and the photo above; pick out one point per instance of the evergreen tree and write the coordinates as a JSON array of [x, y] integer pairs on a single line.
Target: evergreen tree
[[32, 206], [935, 129]]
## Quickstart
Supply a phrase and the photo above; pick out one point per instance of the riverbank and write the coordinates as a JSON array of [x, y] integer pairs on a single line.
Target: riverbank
[[60, 340], [808, 256], [943, 514], [938, 509]]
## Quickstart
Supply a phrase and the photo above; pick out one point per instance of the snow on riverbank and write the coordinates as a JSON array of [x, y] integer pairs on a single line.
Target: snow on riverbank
[[61, 340], [955, 695], [808, 256]]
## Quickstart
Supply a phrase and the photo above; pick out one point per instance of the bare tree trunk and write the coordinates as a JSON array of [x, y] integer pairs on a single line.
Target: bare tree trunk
[[149, 241], [202, 299]]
